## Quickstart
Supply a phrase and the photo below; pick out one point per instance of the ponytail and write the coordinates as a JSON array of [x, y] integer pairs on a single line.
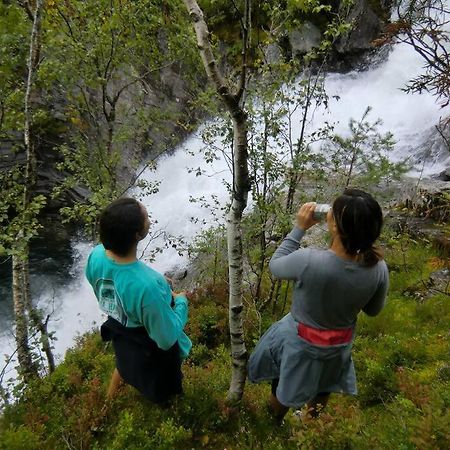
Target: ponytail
[[371, 256]]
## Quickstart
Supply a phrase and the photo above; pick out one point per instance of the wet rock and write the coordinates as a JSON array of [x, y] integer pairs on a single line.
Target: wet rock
[[304, 39], [440, 280], [176, 275], [421, 227], [368, 23], [421, 208], [273, 54], [351, 51], [437, 283], [427, 150], [444, 175], [426, 198]]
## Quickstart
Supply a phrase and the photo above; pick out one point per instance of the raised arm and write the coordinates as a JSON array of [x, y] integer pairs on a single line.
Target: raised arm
[[286, 262]]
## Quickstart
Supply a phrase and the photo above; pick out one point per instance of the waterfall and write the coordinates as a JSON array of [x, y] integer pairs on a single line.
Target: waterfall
[[410, 117]]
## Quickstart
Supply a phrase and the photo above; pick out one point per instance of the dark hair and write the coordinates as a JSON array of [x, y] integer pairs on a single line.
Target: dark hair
[[119, 223], [359, 219]]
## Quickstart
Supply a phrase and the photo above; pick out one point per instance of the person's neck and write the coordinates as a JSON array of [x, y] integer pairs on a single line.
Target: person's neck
[[130, 257], [339, 250]]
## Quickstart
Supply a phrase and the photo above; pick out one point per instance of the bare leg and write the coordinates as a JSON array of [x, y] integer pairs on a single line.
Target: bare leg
[[114, 384], [279, 410], [317, 404]]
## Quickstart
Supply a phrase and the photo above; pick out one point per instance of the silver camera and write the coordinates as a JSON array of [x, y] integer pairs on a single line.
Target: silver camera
[[321, 210]]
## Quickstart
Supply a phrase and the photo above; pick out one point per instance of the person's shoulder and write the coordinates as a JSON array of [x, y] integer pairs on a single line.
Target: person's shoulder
[[316, 259], [151, 274], [98, 250], [141, 276], [318, 255], [97, 254]]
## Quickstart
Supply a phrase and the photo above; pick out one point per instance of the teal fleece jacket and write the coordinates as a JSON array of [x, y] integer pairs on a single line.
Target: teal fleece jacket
[[136, 295]]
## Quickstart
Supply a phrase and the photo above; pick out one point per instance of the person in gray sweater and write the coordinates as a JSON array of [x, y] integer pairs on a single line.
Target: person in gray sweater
[[307, 354]]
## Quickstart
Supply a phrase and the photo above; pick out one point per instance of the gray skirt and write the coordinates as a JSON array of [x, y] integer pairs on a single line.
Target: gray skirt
[[303, 369]]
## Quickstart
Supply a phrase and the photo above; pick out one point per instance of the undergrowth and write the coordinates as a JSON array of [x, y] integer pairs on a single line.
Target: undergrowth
[[401, 359]]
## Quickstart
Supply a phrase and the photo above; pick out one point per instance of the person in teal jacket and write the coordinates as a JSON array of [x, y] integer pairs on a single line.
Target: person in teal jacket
[[146, 319]]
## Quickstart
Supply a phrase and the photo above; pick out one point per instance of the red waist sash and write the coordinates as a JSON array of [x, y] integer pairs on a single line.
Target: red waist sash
[[324, 337]]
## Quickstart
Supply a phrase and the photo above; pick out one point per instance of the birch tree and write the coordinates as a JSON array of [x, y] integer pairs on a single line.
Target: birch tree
[[25, 225], [232, 95]]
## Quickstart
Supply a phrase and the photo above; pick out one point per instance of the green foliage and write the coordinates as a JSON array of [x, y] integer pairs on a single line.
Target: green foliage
[[21, 438], [18, 223], [401, 356], [209, 316], [118, 49], [98, 61], [272, 20], [287, 167], [13, 54], [362, 158], [208, 250], [401, 360], [168, 435], [18, 218]]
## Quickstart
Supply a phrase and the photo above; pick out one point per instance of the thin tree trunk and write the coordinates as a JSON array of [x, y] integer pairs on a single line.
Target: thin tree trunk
[[36, 319], [285, 297], [33, 61], [21, 286], [240, 188], [235, 259], [263, 215], [26, 365], [30, 179], [276, 295], [350, 170]]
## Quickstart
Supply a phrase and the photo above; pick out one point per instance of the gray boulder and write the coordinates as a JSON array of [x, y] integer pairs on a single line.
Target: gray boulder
[[273, 54], [304, 39], [444, 175], [367, 25]]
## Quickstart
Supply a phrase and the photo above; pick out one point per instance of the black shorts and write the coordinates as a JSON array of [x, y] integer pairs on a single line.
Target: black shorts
[[155, 373]]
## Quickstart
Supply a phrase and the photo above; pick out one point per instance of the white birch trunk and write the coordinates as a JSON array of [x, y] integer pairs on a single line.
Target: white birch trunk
[[26, 367], [30, 178], [235, 260], [35, 317], [241, 186], [20, 259]]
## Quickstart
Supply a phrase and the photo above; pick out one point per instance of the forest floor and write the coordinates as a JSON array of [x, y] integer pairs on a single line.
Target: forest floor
[[401, 359]]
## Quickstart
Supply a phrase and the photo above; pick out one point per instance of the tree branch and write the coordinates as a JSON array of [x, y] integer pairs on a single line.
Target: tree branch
[[207, 55]]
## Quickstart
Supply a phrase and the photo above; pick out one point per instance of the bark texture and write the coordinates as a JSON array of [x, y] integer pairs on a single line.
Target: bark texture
[[25, 313], [26, 367], [241, 185]]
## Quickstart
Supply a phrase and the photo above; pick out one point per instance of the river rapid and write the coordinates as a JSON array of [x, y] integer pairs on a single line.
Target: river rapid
[[58, 282]]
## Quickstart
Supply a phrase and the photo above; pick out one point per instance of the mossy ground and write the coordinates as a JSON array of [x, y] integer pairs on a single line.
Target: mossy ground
[[401, 358]]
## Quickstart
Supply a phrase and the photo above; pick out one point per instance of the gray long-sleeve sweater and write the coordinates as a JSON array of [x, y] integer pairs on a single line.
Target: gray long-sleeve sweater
[[329, 291]]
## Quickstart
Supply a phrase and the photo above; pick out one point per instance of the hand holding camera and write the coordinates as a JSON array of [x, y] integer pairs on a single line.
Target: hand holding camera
[[310, 214]]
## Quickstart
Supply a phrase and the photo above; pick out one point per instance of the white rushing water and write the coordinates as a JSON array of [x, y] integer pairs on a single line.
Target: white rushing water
[[410, 117]]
